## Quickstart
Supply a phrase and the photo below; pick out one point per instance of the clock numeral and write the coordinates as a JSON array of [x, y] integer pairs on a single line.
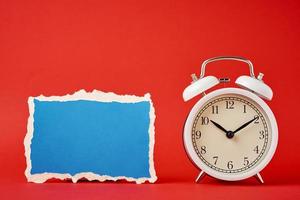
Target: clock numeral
[[203, 150], [261, 135], [256, 121], [204, 120], [216, 159], [198, 134], [215, 109], [229, 104], [256, 149], [246, 161], [245, 111], [230, 164]]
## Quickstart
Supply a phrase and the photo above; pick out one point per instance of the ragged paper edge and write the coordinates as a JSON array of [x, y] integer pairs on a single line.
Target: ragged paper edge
[[99, 96]]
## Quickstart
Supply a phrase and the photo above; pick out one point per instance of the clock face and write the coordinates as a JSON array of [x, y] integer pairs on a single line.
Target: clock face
[[231, 134]]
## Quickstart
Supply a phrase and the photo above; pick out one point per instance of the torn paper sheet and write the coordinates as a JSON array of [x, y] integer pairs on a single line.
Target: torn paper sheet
[[92, 135]]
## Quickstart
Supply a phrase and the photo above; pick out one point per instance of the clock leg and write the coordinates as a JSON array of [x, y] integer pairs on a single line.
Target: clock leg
[[200, 176], [259, 178]]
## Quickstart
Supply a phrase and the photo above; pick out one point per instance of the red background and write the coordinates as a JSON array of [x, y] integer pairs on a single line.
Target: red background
[[134, 47]]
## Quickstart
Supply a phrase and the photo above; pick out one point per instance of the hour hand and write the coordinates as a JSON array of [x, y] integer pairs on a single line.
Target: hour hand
[[219, 126]]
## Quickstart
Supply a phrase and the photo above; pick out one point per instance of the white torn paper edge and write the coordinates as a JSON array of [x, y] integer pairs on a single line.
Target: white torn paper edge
[[99, 96]]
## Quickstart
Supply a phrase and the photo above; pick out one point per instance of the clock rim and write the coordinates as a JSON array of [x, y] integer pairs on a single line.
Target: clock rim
[[188, 145]]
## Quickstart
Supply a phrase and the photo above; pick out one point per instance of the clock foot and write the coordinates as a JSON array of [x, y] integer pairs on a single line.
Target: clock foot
[[200, 176], [259, 178]]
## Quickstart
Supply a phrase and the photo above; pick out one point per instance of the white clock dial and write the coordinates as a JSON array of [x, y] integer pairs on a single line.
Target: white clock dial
[[231, 133]]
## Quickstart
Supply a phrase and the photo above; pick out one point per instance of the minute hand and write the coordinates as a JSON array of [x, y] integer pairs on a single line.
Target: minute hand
[[244, 125]]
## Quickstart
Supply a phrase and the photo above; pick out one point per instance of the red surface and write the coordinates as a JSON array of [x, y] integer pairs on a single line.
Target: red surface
[[134, 47]]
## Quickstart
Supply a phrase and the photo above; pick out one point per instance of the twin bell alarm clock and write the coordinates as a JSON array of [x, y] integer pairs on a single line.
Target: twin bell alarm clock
[[230, 133]]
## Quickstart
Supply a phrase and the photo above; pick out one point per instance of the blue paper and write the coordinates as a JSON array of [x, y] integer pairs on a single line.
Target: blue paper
[[106, 140]]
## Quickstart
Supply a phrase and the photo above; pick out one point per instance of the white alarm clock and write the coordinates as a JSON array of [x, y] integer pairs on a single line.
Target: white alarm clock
[[231, 133]]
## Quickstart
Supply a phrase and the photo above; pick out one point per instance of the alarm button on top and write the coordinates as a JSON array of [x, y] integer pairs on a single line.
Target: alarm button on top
[[199, 86]]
